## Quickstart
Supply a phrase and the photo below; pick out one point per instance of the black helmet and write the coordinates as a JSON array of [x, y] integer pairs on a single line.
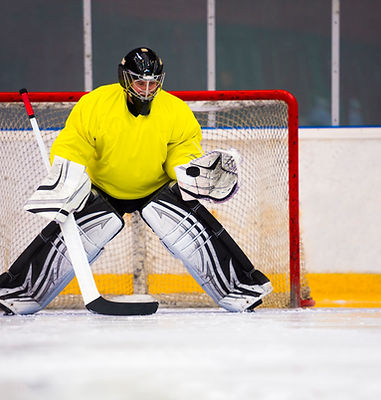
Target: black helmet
[[141, 75]]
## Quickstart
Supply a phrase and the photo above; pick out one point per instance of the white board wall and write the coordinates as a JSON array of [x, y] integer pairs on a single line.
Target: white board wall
[[340, 198]]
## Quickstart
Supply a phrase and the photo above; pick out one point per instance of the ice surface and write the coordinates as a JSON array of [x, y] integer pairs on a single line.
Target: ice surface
[[192, 354]]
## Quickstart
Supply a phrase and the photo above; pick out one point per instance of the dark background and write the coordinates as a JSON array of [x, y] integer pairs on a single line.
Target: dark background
[[272, 44]]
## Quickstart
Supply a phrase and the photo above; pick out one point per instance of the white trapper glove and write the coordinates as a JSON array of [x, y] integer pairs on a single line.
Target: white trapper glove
[[213, 177], [64, 190]]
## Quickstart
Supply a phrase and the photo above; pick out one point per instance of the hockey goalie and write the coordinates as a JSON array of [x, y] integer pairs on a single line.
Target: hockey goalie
[[125, 147]]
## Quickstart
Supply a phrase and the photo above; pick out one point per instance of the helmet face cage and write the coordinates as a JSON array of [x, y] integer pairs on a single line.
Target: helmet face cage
[[144, 87]]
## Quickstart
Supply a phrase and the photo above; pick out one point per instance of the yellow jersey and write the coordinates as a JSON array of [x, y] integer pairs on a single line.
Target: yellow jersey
[[128, 157]]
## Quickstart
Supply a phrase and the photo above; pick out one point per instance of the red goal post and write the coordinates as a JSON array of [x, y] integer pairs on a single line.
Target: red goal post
[[296, 298]]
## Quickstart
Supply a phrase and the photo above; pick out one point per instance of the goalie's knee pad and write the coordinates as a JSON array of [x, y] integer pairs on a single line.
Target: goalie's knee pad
[[44, 269], [212, 257]]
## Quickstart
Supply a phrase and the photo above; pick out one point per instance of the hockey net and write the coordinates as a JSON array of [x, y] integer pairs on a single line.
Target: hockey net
[[262, 217]]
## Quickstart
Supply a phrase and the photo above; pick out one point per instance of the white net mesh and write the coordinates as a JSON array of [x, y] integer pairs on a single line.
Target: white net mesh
[[135, 262]]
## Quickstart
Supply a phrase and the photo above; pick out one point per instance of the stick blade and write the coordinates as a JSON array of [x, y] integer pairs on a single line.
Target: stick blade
[[106, 307]]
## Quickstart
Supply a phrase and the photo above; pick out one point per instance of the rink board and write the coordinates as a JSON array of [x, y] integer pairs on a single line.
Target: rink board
[[327, 289]]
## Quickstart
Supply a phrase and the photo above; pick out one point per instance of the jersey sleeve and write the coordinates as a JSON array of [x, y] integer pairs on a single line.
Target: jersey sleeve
[[186, 141], [74, 142]]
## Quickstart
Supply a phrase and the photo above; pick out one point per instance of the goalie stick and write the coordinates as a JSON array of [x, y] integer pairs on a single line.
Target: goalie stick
[[93, 300]]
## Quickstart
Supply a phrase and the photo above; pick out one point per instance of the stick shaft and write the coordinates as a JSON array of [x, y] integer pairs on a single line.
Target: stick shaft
[[41, 144], [79, 260]]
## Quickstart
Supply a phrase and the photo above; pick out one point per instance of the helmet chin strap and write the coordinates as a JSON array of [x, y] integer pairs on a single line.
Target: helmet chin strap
[[137, 106]]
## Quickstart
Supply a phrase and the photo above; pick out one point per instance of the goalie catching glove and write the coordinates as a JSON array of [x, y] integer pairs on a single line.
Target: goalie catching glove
[[213, 176], [64, 190]]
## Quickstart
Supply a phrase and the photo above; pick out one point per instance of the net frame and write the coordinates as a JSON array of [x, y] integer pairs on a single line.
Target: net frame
[[293, 156]]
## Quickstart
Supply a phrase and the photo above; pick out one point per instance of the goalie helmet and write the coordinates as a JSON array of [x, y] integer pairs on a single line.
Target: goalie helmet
[[141, 75]]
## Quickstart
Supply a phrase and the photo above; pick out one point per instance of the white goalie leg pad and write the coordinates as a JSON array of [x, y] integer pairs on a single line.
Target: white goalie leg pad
[[204, 255], [44, 269], [186, 239]]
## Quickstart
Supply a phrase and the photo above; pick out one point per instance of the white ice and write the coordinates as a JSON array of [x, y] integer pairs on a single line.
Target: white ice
[[192, 354]]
